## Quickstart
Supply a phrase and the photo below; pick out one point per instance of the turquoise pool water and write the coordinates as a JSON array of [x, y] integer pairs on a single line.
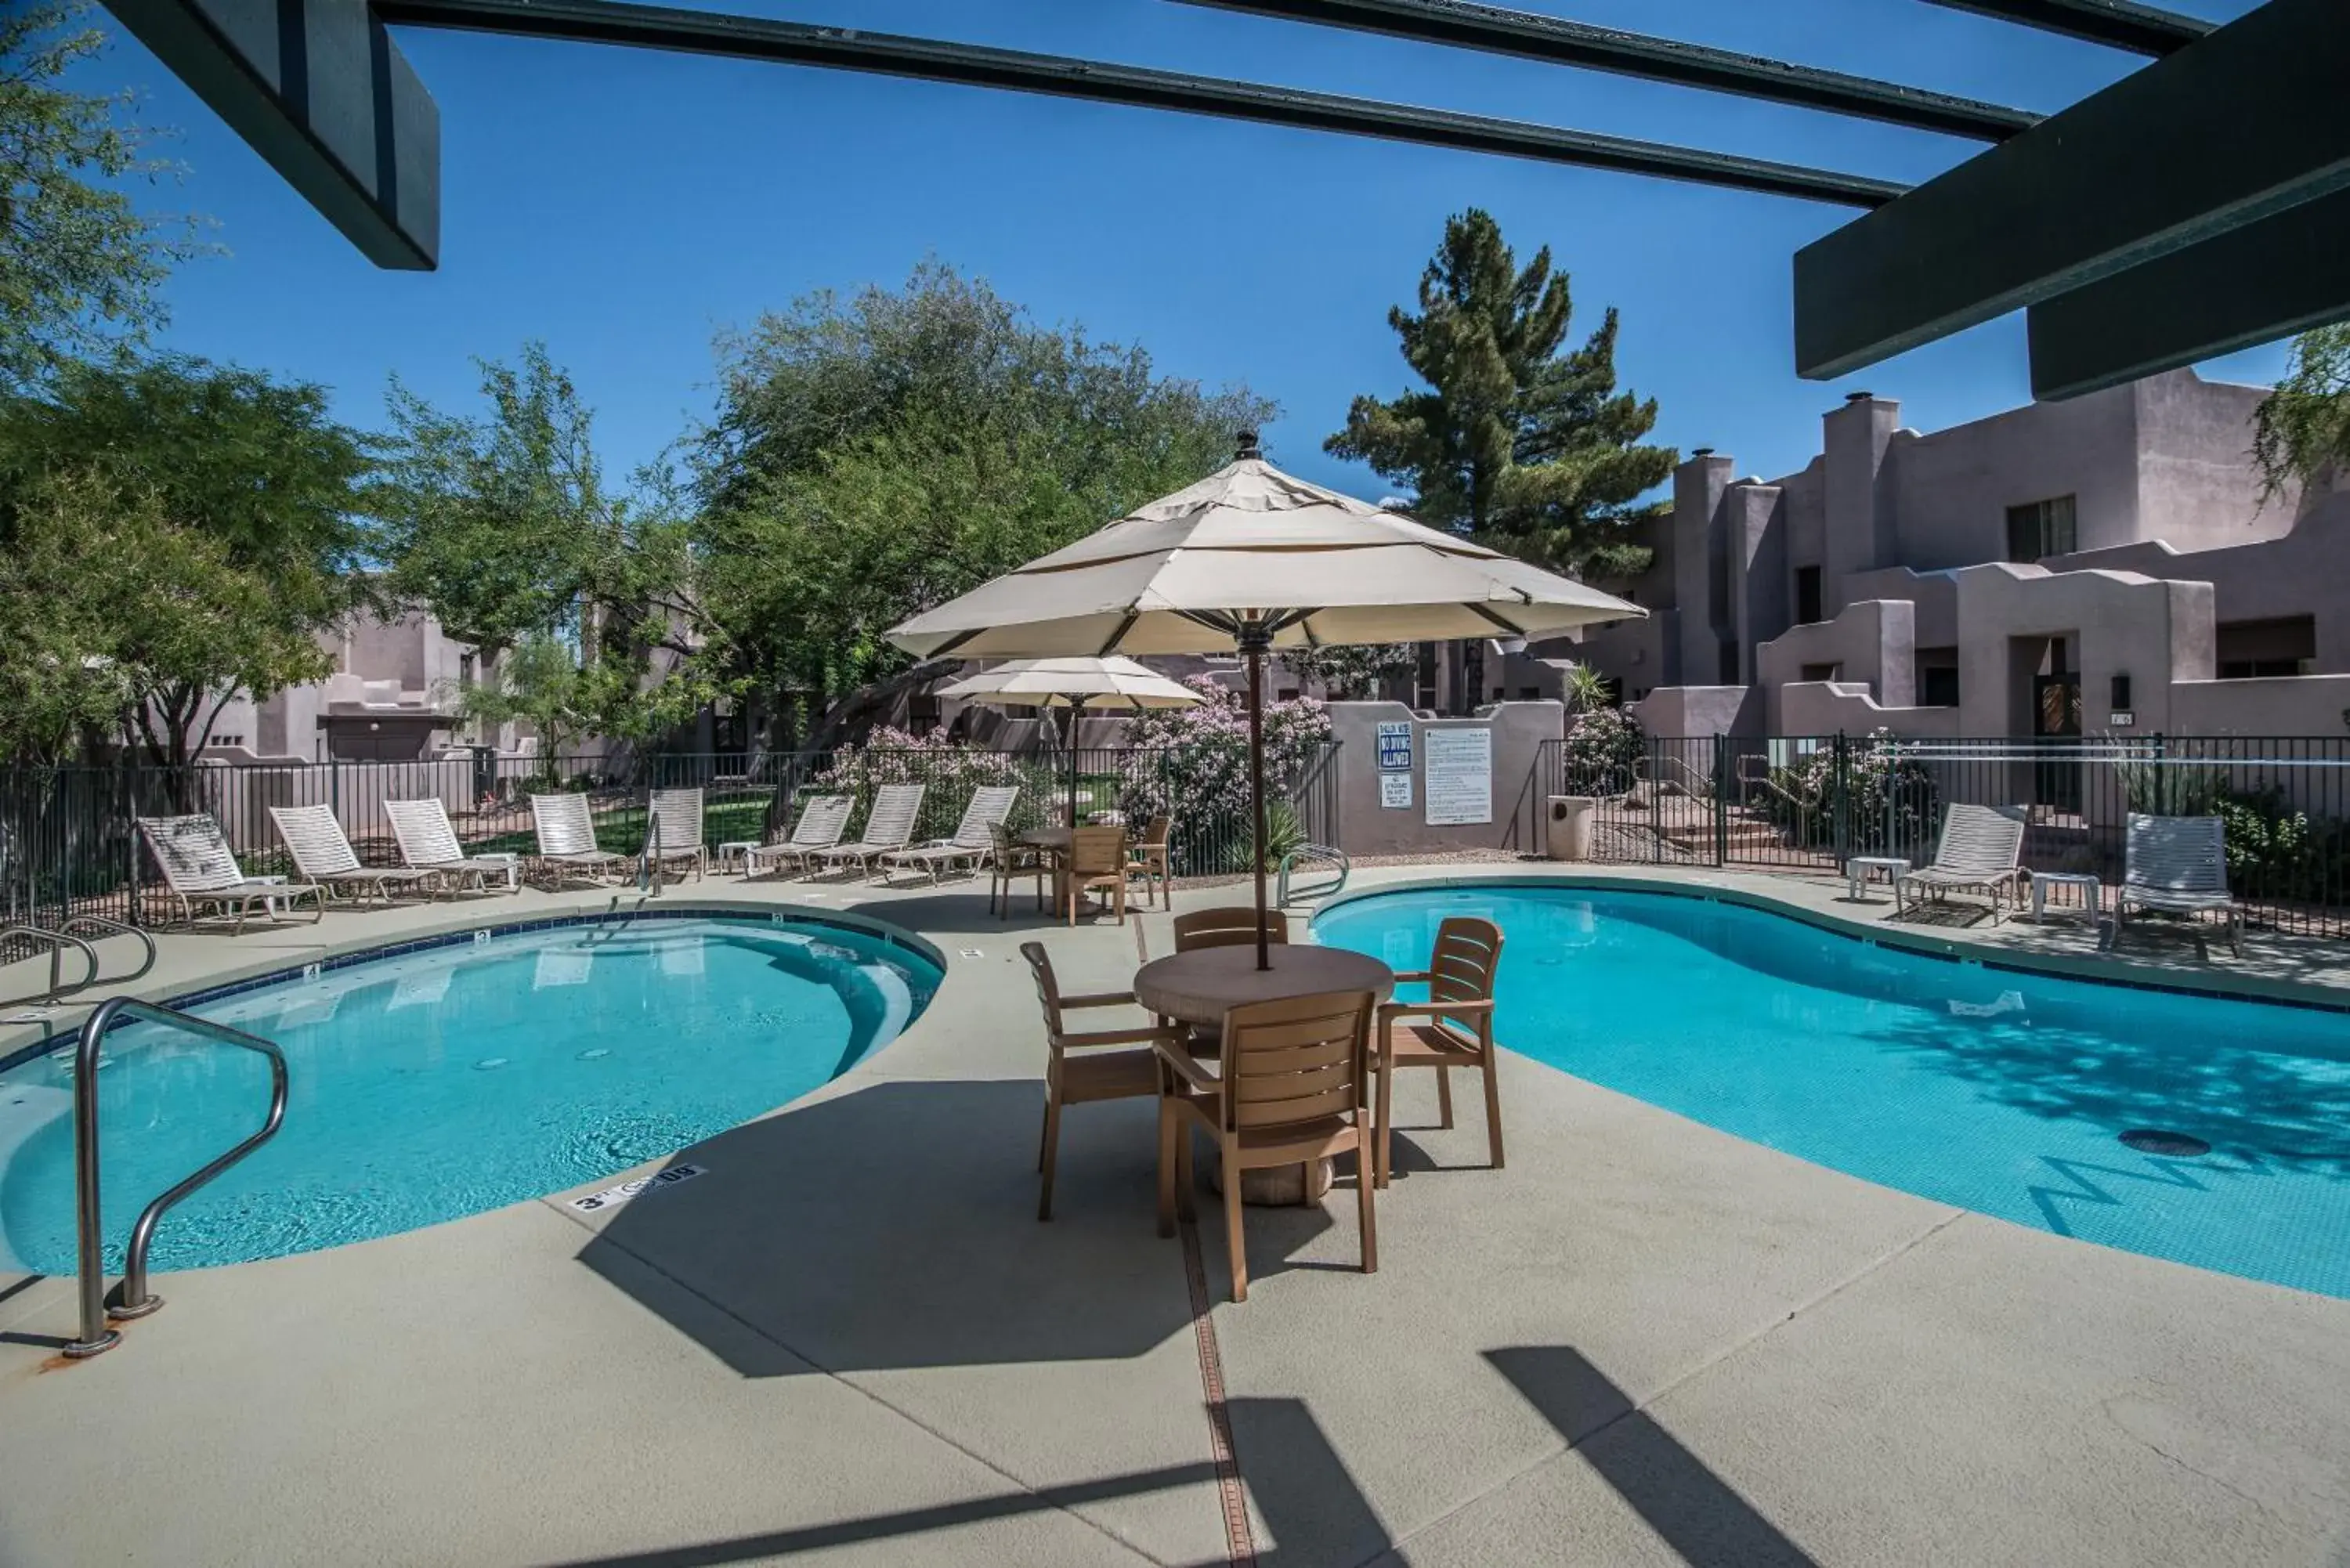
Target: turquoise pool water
[[1987, 1089], [443, 1082]]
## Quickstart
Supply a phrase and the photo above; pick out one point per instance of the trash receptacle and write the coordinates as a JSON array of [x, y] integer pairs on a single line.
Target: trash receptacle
[[1568, 833]]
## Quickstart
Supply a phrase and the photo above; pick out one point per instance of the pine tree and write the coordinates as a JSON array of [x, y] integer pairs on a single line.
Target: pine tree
[[1517, 444]]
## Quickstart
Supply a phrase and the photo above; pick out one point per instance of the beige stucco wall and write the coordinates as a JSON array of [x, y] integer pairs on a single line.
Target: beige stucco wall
[[2122, 622], [1873, 644], [1368, 828]]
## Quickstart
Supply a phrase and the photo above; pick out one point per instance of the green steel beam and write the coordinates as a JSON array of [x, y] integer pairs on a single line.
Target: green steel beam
[[843, 48], [2250, 286], [2123, 24], [2242, 126], [321, 92], [1464, 23]]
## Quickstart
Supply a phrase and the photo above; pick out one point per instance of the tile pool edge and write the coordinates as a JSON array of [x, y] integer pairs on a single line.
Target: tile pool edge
[[32, 1040], [2099, 969]]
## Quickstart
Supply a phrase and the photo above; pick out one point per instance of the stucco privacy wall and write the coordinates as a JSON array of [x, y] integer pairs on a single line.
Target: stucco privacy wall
[[1846, 708], [2120, 623], [1368, 828], [1873, 645], [2286, 705], [1690, 710]]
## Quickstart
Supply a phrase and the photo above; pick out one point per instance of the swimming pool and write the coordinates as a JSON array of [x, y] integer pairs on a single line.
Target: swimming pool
[[441, 1082], [1988, 1089]]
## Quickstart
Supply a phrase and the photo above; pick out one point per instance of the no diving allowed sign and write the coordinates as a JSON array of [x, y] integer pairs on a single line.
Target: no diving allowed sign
[[613, 1197]]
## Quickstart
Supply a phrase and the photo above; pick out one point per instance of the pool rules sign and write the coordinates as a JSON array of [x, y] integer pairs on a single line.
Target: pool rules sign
[[1460, 784], [1395, 765]]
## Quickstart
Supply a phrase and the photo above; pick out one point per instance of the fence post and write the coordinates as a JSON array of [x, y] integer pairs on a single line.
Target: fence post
[[1841, 829], [1892, 790], [1723, 763]]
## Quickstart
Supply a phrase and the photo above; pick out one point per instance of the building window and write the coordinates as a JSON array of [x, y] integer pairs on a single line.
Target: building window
[[1727, 663], [1529, 693], [1807, 596], [2256, 650], [2042, 529], [1820, 671], [468, 668], [1937, 677]]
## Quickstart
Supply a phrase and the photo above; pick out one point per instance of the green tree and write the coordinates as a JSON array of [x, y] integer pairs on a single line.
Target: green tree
[[1516, 441], [543, 681], [872, 457], [2302, 431], [504, 528], [155, 640], [245, 494], [79, 263]]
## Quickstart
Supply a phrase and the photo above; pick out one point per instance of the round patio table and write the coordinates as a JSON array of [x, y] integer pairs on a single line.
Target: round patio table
[[1200, 986], [1056, 839]]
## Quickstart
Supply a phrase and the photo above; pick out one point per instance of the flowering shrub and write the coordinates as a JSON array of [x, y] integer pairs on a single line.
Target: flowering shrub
[[1197, 770], [1603, 752]]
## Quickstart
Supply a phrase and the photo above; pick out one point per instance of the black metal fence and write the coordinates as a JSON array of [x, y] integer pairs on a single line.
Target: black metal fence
[[1810, 803], [68, 844]]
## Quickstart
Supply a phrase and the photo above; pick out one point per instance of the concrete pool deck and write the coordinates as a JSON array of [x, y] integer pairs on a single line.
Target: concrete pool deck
[[1643, 1342]]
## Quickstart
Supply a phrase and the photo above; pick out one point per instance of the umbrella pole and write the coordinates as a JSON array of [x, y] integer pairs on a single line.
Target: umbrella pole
[[1253, 647], [1072, 743]]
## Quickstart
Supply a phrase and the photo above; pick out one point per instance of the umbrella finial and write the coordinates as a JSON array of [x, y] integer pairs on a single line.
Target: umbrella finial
[[1248, 448]]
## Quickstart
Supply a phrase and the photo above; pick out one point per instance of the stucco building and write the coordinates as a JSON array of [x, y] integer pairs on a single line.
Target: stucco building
[[2100, 564]]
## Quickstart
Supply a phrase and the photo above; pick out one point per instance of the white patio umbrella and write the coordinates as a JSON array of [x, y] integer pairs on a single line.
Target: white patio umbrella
[[1073, 683], [1255, 560]]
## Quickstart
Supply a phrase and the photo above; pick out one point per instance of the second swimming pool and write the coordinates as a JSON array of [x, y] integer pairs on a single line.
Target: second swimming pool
[[2000, 1092]]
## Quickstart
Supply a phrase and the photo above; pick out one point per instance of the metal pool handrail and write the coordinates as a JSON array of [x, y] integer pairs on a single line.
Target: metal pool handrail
[[58, 941], [107, 926], [136, 1302]]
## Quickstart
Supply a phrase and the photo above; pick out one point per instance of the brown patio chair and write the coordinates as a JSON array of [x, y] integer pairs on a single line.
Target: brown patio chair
[[1453, 1028], [1293, 1091], [1149, 858], [1227, 928], [1009, 860], [1097, 863], [1080, 1067]]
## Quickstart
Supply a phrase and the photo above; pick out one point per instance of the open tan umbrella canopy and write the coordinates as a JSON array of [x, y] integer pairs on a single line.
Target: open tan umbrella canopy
[[1072, 683], [1255, 560], [1251, 545]]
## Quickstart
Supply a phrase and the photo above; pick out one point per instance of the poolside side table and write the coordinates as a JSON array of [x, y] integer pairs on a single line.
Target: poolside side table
[[503, 860], [1856, 871], [2092, 888], [736, 851]]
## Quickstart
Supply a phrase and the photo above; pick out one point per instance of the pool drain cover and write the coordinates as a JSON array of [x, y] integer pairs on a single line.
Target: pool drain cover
[[2176, 1145]]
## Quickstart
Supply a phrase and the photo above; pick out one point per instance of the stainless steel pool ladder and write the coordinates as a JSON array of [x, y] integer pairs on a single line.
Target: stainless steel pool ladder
[[63, 937], [134, 1300]]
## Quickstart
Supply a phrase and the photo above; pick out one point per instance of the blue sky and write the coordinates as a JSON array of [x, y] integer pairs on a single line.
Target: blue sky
[[626, 206]]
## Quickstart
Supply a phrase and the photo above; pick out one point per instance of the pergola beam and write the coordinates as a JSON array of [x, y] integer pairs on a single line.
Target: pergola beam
[[1464, 23], [842, 49], [2239, 128], [2121, 24], [2250, 286]]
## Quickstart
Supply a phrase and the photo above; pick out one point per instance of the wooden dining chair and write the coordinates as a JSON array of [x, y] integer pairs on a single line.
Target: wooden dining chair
[[1293, 1090], [1227, 928], [1084, 1066], [1011, 859], [1453, 1028], [1095, 864], [1149, 857]]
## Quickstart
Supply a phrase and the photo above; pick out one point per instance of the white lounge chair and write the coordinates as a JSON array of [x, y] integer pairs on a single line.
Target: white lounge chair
[[429, 843], [823, 819], [323, 854], [673, 830], [973, 841], [887, 826], [2177, 865], [1980, 850], [201, 870], [567, 838]]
